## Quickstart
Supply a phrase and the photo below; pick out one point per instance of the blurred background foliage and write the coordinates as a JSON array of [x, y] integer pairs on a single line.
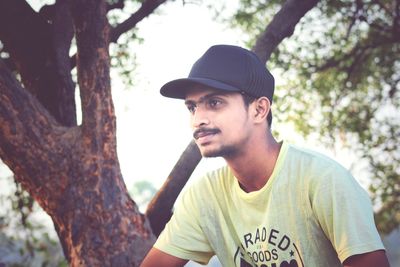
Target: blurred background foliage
[[24, 236], [339, 78]]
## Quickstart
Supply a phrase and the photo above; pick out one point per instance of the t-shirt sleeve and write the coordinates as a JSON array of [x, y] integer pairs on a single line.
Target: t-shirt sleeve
[[344, 211], [183, 236]]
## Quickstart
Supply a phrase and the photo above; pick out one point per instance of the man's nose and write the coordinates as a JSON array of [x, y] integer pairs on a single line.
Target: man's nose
[[200, 118]]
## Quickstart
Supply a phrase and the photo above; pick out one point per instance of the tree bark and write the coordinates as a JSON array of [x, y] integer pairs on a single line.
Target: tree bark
[[37, 46], [79, 185], [73, 172]]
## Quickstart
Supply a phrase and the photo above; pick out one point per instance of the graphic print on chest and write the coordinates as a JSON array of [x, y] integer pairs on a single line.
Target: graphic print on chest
[[267, 248]]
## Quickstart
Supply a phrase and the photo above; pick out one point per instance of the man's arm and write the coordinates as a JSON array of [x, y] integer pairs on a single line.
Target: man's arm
[[371, 259], [157, 258]]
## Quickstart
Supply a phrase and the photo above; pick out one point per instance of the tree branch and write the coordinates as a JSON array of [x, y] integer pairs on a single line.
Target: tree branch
[[357, 51], [396, 19], [394, 87], [117, 5], [9, 63], [355, 16], [21, 25], [62, 37], [93, 63], [33, 43], [30, 139], [159, 211], [147, 8], [281, 26], [382, 6]]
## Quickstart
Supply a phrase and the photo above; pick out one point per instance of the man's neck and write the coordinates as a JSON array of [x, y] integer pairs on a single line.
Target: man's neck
[[254, 167]]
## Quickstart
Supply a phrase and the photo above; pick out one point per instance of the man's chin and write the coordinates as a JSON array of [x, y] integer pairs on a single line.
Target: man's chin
[[209, 153], [213, 153]]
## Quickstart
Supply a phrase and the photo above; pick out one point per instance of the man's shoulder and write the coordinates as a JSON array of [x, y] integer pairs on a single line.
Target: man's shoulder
[[315, 166], [313, 157], [214, 180], [219, 173]]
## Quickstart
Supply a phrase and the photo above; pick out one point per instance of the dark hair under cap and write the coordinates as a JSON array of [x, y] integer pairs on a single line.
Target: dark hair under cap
[[228, 68]]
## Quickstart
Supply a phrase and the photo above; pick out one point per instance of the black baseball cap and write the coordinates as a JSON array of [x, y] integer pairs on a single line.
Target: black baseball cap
[[225, 67]]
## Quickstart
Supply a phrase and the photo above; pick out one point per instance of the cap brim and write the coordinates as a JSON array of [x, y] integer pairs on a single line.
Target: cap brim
[[180, 87]]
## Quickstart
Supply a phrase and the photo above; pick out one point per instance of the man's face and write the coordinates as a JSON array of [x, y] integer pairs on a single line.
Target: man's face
[[220, 121]]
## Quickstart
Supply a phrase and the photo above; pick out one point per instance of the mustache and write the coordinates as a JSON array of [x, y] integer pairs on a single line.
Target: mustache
[[204, 131]]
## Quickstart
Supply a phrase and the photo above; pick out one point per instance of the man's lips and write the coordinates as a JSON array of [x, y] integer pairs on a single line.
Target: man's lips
[[204, 132]]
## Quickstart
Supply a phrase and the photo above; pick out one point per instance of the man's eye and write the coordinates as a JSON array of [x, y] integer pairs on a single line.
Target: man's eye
[[191, 108], [214, 103]]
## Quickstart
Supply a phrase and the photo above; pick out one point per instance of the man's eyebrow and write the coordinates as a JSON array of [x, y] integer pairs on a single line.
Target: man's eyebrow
[[189, 102], [204, 98]]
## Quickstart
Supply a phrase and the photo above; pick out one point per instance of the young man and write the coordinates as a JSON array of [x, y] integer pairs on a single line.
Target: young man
[[274, 204]]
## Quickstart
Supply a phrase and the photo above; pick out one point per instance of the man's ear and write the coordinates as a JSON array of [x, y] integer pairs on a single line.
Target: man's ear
[[262, 107]]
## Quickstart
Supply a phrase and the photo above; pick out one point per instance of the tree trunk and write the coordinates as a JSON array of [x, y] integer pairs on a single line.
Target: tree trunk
[[38, 45], [73, 172]]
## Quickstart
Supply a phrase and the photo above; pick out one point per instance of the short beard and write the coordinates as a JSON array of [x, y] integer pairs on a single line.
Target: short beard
[[225, 152]]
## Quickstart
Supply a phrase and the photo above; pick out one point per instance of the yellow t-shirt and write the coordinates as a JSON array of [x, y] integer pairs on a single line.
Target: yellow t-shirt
[[311, 212]]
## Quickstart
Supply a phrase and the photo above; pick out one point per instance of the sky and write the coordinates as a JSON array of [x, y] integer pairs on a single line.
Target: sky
[[153, 130]]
